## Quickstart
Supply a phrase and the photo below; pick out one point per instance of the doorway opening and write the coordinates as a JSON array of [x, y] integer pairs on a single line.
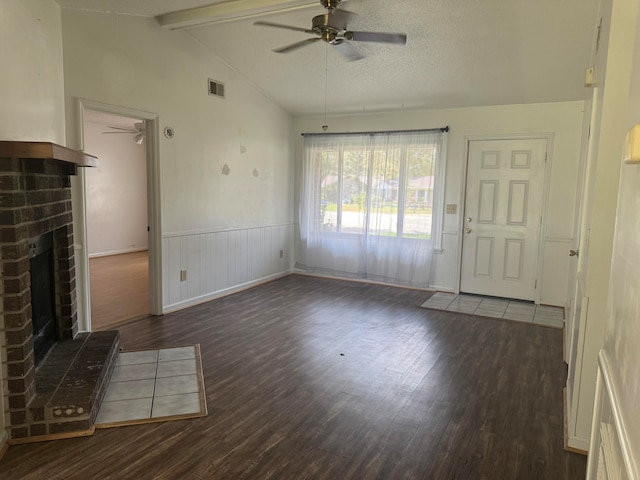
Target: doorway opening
[[117, 218]]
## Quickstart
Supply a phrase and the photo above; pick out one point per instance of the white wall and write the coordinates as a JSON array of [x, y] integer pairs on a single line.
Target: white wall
[[622, 342], [116, 193], [32, 82], [563, 120], [31, 97], [228, 168]]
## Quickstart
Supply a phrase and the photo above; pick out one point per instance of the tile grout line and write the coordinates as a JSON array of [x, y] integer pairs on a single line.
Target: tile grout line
[[155, 380]]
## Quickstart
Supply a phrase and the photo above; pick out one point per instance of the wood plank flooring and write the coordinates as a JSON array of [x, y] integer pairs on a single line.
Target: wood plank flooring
[[324, 379], [119, 288]]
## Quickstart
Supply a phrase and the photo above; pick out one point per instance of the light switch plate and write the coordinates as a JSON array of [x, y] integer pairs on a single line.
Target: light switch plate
[[632, 145], [589, 76]]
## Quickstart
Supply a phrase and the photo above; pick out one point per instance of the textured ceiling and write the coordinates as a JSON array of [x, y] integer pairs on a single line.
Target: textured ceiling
[[459, 53]]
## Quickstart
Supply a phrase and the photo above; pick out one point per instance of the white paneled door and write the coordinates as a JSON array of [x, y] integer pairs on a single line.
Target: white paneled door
[[502, 217]]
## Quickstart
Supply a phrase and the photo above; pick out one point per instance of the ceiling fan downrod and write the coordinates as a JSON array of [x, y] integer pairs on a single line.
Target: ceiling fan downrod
[[330, 4]]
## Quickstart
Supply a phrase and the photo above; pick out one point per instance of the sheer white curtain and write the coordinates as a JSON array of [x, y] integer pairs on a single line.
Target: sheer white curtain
[[370, 205]]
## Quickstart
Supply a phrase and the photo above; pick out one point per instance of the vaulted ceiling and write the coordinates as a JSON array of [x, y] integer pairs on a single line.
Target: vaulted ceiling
[[459, 53]]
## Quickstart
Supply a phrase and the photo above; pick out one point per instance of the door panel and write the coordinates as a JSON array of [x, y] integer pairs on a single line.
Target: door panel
[[487, 201], [484, 257], [502, 217], [513, 258]]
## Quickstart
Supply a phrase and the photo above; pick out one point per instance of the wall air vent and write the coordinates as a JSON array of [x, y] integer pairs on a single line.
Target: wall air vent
[[216, 88]]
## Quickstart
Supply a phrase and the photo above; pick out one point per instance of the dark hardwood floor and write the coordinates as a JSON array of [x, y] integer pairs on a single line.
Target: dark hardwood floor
[[324, 379]]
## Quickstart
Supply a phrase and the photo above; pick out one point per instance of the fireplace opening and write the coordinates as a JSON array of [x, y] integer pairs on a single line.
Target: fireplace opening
[[43, 303]]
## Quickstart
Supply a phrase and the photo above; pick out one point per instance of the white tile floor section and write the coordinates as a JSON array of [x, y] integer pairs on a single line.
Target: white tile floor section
[[497, 308], [151, 384]]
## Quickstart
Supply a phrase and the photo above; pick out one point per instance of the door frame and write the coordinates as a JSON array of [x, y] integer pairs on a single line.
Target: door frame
[[584, 200], [546, 182], [152, 148]]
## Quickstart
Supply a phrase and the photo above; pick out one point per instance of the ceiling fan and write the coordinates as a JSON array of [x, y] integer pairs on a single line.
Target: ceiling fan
[[137, 131], [332, 28]]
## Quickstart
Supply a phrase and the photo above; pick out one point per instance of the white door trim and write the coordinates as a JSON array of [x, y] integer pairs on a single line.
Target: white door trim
[[153, 204], [549, 137]]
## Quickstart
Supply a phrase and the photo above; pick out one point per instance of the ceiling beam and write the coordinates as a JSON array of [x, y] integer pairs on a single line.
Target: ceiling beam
[[228, 12]]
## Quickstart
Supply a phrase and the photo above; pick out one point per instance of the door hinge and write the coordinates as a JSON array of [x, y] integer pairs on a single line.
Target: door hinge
[[535, 286], [545, 157]]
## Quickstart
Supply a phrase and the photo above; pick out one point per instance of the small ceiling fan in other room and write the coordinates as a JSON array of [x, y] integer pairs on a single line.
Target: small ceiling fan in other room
[[332, 29], [137, 131]]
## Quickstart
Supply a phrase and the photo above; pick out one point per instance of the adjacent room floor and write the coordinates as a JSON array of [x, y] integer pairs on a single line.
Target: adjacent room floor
[[119, 289], [311, 378]]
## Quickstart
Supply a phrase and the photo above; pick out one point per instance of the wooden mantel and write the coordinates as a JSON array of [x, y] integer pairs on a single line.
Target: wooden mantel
[[47, 151]]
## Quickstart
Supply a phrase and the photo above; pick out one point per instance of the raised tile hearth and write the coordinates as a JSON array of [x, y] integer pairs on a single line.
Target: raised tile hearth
[[71, 383]]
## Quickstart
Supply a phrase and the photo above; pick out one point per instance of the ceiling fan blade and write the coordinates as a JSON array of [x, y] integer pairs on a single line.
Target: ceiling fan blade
[[296, 45], [124, 129], [398, 38], [348, 51], [279, 25]]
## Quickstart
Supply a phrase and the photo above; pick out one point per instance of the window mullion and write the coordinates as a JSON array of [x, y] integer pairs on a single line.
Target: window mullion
[[367, 215], [402, 189], [340, 187]]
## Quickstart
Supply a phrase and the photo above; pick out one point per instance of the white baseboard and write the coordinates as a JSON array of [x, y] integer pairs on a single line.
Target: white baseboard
[[577, 443], [297, 271], [192, 302], [442, 288], [118, 252]]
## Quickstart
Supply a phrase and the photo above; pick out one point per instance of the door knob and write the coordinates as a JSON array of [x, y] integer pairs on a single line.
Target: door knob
[[467, 230], [574, 253], [468, 219]]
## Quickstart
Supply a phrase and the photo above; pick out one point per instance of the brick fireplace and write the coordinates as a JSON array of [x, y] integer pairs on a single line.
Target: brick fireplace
[[61, 394]]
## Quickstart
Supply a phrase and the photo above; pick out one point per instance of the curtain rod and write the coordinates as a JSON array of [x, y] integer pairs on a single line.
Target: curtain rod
[[441, 129]]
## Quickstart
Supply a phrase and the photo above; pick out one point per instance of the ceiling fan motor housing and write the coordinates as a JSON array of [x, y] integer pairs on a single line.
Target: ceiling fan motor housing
[[328, 26]]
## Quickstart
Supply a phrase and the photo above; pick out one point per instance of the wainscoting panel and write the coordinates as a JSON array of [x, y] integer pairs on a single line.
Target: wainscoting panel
[[613, 455], [222, 262]]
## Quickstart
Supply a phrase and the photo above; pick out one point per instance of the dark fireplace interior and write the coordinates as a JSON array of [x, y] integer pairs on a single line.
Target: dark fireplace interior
[[43, 303]]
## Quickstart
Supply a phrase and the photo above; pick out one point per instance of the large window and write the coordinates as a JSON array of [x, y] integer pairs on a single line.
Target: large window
[[372, 196]]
